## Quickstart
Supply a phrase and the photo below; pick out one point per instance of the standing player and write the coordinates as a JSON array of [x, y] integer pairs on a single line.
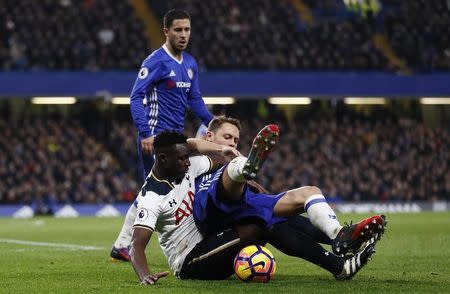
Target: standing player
[[168, 81], [165, 206]]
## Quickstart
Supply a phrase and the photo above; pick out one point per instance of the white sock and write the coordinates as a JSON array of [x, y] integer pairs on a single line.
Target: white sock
[[322, 216], [235, 169], [124, 238]]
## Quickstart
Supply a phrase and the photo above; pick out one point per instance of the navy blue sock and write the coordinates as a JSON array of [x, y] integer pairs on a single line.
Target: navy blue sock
[[294, 242], [303, 224]]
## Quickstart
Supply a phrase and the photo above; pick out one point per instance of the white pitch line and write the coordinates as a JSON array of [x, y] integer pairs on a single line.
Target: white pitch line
[[55, 245]]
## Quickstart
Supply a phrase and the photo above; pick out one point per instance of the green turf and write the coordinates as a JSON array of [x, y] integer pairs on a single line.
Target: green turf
[[413, 256]]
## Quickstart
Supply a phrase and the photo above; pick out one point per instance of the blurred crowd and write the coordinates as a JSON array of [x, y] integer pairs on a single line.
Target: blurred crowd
[[360, 160], [228, 34], [43, 162], [419, 31], [67, 34], [269, 34], [349, 158]]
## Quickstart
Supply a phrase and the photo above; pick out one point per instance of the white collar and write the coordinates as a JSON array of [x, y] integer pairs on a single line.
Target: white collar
[[170, 54]]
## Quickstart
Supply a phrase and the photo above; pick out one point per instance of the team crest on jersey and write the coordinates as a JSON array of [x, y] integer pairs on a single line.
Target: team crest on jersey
[[190, 73], [143, 73], [142, 214]]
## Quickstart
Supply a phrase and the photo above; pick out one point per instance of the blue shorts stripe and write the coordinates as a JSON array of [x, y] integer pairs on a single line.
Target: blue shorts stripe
[[312, 202]]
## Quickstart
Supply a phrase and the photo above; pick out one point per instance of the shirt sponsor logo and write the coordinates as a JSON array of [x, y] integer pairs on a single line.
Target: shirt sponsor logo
[[183, 84], [170, 84]]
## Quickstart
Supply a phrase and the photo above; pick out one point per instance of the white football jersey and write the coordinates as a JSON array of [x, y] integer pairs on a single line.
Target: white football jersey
[[166, 208]]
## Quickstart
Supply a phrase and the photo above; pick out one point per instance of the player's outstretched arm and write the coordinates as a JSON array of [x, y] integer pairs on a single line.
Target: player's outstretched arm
[[139, 242], [219, 154], [202, 146]]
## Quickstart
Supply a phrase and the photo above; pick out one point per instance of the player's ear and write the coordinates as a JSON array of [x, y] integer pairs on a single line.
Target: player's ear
[[166, 31], [161, 157], [209, 136]]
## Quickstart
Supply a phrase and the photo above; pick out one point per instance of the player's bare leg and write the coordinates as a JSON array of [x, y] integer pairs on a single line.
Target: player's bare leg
[[293, 202]]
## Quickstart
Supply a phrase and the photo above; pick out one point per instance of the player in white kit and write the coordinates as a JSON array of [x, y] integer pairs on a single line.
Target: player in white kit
[[165, 206]]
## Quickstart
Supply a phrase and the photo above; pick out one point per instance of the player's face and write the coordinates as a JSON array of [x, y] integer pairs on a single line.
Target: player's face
[[227, 134], [178, 34], [177, 162]]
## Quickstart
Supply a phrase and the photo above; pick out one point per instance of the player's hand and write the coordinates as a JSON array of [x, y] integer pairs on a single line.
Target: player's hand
[[147, 144], [153, 278], [230, 152]]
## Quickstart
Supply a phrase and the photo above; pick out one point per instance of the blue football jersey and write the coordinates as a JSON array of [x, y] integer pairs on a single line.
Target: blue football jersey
[[168, 86]]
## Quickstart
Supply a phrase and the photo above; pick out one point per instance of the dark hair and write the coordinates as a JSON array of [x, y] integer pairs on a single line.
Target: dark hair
[[167, 139], [218, 121], [174, 14]]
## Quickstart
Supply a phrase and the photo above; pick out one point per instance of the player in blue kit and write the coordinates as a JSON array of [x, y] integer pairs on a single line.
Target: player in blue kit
[[225, 198], [168, 83]]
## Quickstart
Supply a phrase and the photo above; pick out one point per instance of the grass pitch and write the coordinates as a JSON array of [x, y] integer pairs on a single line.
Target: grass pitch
[[412, 257]]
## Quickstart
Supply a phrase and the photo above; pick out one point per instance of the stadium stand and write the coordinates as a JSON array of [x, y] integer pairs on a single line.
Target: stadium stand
[[47, 161], [253, 34], [387, 160], [420, 31], [65, 34], [390, 158], [270, 34]]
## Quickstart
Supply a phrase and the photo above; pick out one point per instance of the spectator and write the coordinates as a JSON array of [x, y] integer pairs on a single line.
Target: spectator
[[54, 161]]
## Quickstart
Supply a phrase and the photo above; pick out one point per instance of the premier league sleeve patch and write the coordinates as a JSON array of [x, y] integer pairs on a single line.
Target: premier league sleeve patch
[[143, 219], [142, 214], [143, 73]]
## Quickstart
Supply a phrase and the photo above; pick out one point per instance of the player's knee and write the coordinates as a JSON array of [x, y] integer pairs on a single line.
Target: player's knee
[[300, 195], [311, 190]]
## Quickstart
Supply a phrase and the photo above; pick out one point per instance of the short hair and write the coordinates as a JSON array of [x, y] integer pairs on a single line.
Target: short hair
[[167, 139], [174, 14], [218, 121]]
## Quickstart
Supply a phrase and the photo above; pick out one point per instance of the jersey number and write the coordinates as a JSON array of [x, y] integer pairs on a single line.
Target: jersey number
[[185, 208]]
